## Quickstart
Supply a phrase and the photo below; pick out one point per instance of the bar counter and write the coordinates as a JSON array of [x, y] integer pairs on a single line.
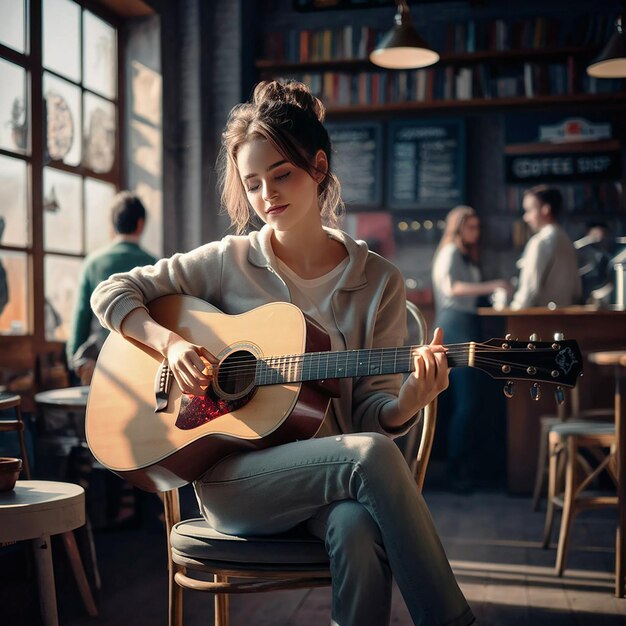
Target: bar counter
[[594, 329]]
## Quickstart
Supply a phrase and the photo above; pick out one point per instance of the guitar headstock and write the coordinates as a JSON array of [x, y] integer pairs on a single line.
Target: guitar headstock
[[558, 362]]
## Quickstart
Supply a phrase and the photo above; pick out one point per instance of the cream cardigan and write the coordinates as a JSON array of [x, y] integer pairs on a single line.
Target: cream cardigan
[[236, 275]]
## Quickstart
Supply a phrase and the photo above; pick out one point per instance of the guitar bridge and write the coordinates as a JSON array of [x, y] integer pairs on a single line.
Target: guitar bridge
[[162, 386]]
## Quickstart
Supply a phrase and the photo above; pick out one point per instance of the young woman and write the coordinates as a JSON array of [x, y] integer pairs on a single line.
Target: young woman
[[350, 484], [457, 285]]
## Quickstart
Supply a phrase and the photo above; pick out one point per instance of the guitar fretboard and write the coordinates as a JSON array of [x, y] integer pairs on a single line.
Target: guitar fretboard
[[342, 364]]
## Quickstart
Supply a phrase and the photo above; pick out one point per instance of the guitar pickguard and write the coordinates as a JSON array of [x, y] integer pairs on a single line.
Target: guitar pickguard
[[198, 410]]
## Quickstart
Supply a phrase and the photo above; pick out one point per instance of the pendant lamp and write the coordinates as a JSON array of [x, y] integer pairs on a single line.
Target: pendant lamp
[[611, 63], [403, 48]]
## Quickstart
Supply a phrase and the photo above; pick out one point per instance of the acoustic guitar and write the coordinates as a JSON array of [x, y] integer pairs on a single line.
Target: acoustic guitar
[[273, 384]]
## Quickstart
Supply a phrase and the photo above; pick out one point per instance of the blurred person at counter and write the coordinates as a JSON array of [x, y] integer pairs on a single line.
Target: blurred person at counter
[[457, 286], [549, 265]]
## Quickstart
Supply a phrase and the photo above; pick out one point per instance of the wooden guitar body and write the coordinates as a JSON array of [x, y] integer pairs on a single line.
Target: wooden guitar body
[[158, 451]]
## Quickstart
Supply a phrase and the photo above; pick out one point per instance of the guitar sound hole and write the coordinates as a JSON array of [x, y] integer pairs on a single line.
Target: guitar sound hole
[[235, 374]]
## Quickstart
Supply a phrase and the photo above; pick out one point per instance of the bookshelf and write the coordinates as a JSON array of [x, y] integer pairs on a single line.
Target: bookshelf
[[492, 63]]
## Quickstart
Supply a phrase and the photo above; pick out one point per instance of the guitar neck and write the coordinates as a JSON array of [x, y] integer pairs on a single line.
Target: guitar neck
[[346, 364]]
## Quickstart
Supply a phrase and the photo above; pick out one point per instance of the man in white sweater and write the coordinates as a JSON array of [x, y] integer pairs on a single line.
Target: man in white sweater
[[548, 267]]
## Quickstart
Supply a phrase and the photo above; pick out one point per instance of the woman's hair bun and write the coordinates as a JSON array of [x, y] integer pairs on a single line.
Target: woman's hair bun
[[291, 92]]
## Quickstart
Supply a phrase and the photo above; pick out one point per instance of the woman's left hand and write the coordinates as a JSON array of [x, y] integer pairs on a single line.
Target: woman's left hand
[[429, 378]]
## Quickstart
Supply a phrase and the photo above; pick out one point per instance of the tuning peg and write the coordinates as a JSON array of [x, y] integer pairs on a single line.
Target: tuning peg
[[559, 395], [559, 337], [534, 337], [535, 392], [509, 389]]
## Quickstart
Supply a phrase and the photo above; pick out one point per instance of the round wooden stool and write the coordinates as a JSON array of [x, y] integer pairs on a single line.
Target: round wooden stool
[[35, 510]]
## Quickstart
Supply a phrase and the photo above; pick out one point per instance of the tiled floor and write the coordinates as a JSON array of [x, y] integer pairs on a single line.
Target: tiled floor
[[493, 541]]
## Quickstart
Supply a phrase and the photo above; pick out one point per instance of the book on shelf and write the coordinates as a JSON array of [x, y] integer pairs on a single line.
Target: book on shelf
[[500, 35], [304, 45], [449, 82]]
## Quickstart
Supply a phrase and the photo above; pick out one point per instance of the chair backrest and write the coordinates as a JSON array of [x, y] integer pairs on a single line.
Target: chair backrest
[[417, 444]]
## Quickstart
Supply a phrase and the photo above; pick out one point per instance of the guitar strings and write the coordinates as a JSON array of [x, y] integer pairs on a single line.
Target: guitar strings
[[296, 359], [290, 361], [288, 365]]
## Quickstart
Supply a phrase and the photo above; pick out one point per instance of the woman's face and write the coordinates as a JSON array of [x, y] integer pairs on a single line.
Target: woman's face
[[281, 194], [470, 231]]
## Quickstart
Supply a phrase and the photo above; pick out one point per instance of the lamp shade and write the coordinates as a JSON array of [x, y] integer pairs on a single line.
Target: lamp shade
[[611, 62], [403, 47]]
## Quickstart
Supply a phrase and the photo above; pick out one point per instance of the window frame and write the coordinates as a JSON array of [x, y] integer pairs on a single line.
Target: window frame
[[24, 349]]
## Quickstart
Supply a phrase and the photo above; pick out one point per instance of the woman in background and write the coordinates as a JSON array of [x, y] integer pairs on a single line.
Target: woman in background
[[457, 286]]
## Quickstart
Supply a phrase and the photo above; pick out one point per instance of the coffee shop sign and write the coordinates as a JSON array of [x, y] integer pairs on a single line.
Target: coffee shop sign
[[563, 167]]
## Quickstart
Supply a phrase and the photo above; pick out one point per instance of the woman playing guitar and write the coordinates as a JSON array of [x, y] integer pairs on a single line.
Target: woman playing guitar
[[349, 484]]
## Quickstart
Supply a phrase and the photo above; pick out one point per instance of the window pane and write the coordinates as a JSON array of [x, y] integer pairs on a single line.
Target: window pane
[[99, 230], [100, 56], [13, 115], [61, 37], [62, 120], [60, 284], [62, 205], [14, 217], [99, 133], [13, 293], [12, 27]]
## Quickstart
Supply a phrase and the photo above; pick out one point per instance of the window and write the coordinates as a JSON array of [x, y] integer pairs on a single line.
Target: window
[[59, 157]]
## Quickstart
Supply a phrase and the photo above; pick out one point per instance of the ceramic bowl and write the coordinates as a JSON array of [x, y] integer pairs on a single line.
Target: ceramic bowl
[[10, 469]]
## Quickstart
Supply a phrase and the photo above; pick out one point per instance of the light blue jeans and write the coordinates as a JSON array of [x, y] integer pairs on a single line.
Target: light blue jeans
[[357, 494]]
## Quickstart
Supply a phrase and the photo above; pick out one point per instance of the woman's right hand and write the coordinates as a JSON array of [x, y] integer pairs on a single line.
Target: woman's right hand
[[190, 364]]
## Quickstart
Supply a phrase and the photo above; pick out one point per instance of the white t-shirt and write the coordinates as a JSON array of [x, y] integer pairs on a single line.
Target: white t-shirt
[[313, 297], [549, 270]]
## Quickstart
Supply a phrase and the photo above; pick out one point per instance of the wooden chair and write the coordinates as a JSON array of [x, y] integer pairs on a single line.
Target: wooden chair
[[566, 440], [546, 422], [291, 560]]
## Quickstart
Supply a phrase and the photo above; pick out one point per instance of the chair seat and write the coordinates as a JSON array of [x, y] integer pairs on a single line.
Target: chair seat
[[566, 429], [195, 539]]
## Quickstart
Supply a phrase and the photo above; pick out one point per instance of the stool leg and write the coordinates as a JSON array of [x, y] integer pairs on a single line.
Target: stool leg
[[45, 578], [620, 470], [92, 553], [175, 598], [222, 617], [79, 573], [620, 572], [540, 474], [552, 476], [569, 497]]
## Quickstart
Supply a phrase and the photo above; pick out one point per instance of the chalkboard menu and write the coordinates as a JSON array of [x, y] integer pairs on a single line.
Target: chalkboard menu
[[426, 165], [357, 162]]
